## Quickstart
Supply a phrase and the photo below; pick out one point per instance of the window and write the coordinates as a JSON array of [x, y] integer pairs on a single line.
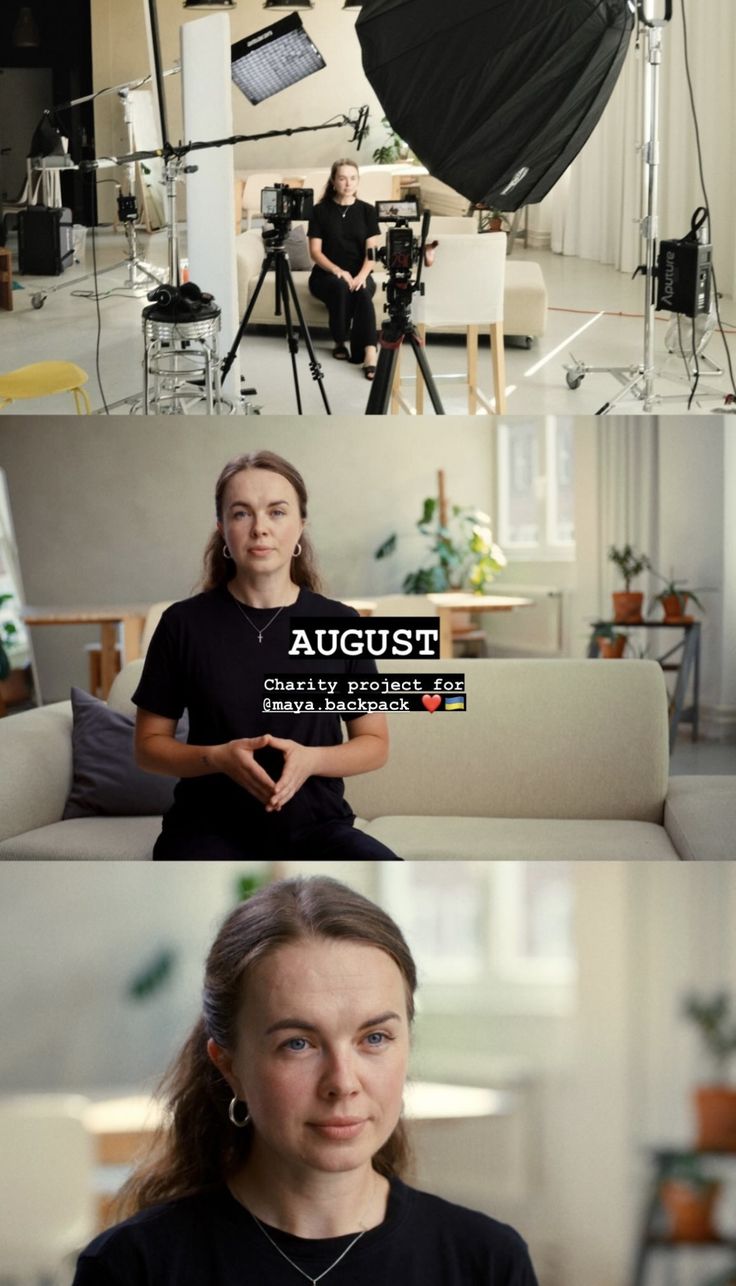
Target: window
[[499, 937], [536, 489]]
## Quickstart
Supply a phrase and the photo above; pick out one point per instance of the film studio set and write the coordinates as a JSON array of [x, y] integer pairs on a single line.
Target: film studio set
[[554, 217]]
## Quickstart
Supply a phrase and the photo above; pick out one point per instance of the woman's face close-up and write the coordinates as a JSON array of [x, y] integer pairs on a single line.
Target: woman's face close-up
[[322, 1051], [261, 522], [345, 181]]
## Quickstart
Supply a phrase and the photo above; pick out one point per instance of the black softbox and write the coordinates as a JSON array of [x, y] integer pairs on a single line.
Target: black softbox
[[495, 97]]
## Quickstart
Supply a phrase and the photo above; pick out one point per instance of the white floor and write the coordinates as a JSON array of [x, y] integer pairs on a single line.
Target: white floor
[[65, 327]]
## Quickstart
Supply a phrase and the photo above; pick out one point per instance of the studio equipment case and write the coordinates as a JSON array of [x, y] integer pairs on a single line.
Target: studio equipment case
[[45, 240]]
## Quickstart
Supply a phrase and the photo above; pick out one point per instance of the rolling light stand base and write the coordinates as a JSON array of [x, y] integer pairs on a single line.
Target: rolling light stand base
[[637, 385]]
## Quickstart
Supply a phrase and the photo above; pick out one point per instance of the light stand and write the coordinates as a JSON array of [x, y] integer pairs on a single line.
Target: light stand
[[638, 381]]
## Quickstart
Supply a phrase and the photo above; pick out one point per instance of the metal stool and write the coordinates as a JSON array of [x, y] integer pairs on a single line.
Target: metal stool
[[181, 365]]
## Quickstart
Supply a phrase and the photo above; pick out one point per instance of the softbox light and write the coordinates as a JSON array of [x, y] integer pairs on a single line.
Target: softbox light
[[274, 58], [495, 97]]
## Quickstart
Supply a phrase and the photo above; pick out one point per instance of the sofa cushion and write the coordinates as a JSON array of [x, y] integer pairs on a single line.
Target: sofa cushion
[[507, 839], [106, 780], [116, 839], [700, 815]]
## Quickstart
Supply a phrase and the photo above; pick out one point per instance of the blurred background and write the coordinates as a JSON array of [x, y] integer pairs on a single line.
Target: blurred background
[[568, 1014]]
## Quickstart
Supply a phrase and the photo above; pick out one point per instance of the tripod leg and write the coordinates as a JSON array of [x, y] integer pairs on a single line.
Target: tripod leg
[[314, 365], [380, 395], [291, 339], [230, 356], [426, 373], [419, 394]]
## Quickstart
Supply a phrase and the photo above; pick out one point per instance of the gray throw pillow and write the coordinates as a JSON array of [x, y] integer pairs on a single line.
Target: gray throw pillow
[[297, 248], [106, 781]]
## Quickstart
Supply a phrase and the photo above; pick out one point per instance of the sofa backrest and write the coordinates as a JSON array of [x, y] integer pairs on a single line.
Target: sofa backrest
[[539, 738]]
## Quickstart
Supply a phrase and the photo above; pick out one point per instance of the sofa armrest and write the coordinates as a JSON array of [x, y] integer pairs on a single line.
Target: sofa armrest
[[35, 768], [700, 817]]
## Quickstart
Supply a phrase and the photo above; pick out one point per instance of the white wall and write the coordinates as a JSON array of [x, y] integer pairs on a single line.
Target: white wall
[[119, 53]]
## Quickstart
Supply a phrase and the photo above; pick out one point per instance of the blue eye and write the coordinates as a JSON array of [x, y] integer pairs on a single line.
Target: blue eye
[[297, 1043], [376, 1039]]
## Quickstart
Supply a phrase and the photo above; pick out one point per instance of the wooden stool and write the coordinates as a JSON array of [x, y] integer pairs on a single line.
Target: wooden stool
[[6, 279], [94, 657]]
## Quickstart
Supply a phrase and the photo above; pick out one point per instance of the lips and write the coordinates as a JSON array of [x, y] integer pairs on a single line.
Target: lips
[[340, 1127]]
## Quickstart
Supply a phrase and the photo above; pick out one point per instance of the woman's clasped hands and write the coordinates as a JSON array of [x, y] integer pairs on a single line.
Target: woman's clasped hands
[[237, 760]]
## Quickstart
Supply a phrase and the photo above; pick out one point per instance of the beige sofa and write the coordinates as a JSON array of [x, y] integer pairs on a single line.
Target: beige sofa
[[552, 759], [525, 294]]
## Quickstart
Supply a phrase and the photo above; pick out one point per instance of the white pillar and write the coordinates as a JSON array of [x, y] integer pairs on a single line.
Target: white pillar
[[207, 89]]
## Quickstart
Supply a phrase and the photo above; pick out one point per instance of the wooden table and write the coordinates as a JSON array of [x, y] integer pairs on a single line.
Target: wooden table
[[110, 620], [451, 604]]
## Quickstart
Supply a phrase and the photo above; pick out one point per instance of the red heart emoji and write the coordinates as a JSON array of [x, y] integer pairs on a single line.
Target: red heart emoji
[[431, 703]]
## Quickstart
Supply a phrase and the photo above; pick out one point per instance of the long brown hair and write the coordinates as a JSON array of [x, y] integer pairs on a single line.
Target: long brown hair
[[329, 192], [199, 1148], [218, 569]]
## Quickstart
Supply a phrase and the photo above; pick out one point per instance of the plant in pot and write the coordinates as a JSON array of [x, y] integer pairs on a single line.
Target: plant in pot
[[14, 681], [609, 642], [674, 599], [627, 603], [464, 555], [715, 1103], [394, 149], [492, 219], [688, 1196]]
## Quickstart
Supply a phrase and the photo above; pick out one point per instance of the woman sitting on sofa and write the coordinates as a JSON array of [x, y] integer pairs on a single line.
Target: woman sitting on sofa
[[341, 231], [253, 784]]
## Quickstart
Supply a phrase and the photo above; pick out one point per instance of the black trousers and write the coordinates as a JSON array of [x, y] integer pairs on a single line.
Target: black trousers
[[330, 840], [351, 311]]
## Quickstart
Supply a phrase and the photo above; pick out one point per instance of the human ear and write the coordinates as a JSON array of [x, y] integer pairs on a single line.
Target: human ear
[[223, 1061]]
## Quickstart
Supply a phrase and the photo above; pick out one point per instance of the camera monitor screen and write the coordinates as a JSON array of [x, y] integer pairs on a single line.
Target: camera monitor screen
[[272, 59], [389, 210]]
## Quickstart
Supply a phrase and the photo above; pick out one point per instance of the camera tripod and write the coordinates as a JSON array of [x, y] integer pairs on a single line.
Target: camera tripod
[[277, 258], [398, 328]]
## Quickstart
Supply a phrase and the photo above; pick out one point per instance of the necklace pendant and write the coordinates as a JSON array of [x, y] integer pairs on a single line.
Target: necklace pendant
[[260, 638]]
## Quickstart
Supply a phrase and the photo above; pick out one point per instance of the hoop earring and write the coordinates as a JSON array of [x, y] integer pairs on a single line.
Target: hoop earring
[[297, 550], [240, 1125], [226, 553]]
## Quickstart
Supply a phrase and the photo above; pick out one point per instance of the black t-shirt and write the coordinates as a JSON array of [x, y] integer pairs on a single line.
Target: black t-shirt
[[205, 657], [211, 1240], [344, 230]]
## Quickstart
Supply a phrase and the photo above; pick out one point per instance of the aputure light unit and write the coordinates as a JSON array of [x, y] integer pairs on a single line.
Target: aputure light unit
[[273, 59], [495, 97]]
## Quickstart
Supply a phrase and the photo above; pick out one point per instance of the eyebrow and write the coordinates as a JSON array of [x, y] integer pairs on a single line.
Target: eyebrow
[[289, 1023], [245, 504]]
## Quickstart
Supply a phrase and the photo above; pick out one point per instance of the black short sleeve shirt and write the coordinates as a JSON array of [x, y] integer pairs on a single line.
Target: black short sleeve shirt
[[205, 657], [211, 1240], [343, 231]]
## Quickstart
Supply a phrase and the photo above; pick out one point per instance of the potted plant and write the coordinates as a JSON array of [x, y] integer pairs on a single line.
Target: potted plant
[[14, 682], [627, 604], [715, 1103], [610, 643], [492, 219], [464, 555], [394, 149], [674, 599], [688, 1196]]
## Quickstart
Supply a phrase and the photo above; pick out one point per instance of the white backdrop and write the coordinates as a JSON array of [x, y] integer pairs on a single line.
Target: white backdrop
[[594, 209]]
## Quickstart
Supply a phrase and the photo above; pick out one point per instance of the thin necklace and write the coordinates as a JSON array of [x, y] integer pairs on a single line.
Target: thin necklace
[[309, 1278], [260, 632]]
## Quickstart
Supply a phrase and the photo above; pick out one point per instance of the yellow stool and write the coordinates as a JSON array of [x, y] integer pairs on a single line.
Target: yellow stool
[[42, 379]]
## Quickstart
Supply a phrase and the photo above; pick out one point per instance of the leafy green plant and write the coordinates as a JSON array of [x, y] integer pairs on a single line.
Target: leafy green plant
[[716, 1023], [606, 630], [687, 1168], [629, 563], [490, 215], [676, 589], [464, 553], [394, 149], [8, 636]]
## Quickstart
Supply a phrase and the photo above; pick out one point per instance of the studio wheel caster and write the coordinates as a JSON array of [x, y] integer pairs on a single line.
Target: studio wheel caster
[[574, 379], [38, 300]]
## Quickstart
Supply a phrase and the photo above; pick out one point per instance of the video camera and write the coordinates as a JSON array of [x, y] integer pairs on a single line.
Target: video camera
[[281, 203], [401, 251]]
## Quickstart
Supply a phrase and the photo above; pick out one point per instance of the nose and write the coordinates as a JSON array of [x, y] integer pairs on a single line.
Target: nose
[[340, 1077], [259, 525]]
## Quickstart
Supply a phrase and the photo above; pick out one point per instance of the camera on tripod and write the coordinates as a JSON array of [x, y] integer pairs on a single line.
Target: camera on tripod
[[402, 249], [281, 203]]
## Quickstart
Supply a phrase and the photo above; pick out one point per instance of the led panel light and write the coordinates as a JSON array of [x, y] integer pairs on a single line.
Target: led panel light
[[272, 59]]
